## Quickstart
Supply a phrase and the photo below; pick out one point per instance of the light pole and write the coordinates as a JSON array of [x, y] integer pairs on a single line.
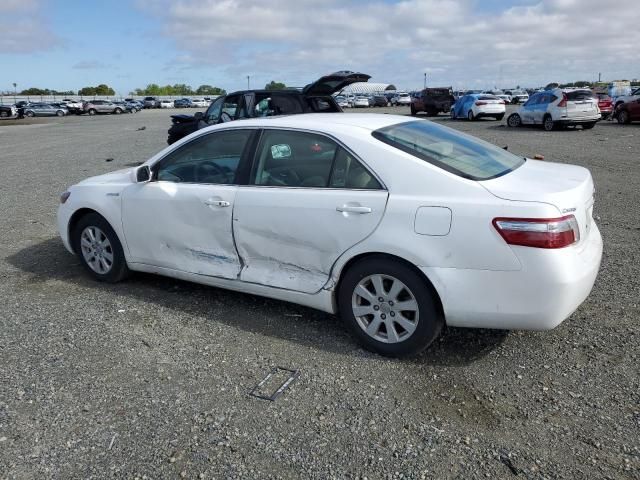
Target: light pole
[[15, 91], [248, 84], [425, 80]]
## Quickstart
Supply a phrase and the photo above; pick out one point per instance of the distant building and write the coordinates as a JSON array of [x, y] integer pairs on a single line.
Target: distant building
[[368, 87]]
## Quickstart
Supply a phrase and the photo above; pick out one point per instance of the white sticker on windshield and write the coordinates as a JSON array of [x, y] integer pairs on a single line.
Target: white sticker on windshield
[[280, 151]]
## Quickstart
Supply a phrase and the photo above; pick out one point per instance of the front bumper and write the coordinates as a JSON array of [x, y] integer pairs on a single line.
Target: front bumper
[[551, 285]]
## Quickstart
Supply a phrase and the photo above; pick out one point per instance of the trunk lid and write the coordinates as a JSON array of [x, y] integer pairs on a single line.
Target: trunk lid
[[334, 82], [581, 103], [568, 187]]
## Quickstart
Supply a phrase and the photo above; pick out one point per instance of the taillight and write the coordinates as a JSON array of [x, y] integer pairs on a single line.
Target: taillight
[[478, 104], [539, 232], [563, 102]]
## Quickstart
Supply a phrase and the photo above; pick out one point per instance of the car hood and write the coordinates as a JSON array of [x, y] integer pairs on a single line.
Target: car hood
[[565, 186], [123, 176], [334, 82]]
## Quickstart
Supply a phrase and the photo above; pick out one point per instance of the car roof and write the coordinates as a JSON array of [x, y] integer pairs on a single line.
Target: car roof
[[322, 122]]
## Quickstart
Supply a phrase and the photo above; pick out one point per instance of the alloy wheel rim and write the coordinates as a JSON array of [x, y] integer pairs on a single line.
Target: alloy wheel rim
[[514, 120], [548, 124], [385, 308], [96, 250]]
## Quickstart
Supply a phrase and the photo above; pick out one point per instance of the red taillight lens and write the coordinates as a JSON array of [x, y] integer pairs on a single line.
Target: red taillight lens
[[563, 102], [480, 103], [539, 232]]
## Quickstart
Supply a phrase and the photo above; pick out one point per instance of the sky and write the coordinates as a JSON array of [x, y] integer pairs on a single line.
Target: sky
[[69, 44]]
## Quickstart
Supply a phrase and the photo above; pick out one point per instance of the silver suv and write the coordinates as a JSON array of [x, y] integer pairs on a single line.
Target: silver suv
[[101, 106]]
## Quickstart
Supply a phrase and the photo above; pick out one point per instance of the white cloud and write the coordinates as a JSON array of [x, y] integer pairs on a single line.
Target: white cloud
[[25, 30], [452, 40], [90, 65]]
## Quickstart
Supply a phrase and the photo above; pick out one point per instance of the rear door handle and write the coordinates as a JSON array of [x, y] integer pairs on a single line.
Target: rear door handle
[[353, 209], [216, 203]]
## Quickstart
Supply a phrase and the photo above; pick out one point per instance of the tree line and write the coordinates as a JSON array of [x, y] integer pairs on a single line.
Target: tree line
[[151, 89]]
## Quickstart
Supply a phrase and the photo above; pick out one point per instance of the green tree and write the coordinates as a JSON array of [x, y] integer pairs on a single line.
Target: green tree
[[34, 91], [272, 85], [103, 89], [89, 91], [209, 90]]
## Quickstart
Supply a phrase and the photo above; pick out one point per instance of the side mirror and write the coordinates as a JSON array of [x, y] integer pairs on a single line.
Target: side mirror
[[143, 174], [198, 115]]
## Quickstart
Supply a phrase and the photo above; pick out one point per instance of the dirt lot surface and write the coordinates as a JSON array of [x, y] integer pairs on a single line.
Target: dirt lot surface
[[150, 377]]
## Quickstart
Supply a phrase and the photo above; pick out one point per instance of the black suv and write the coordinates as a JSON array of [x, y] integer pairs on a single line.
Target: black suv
[[432, 101], [315, 97]]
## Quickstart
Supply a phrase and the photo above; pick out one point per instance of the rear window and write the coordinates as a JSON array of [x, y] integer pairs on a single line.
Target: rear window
[[455, 152], [488, 97], [437, 92], [580, 95]]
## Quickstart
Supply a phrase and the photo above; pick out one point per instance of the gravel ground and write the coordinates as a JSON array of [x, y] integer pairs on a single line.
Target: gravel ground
[[150, 377]]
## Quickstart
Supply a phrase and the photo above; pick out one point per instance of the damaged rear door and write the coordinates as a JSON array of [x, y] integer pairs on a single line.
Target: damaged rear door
[[308, 200], [182, 219]]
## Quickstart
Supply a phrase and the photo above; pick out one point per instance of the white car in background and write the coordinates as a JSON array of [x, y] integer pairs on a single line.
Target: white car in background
[[200, 103], [361, 101], [553, 109], [166, 104], [519, 96], [401, 98], [398, 225]]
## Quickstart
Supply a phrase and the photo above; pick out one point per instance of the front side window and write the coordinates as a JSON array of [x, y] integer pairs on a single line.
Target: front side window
[[212, 158], [453, 151], [212, 115]]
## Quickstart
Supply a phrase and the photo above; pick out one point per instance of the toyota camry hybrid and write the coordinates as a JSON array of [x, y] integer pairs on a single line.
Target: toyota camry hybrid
[[397, 225]]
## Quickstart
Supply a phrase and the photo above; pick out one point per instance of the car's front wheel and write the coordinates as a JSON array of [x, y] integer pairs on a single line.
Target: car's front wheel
[[514, 120], [388, 307], [99, 249], [623, 117], [92, 111], [30, 114], [60, 113]]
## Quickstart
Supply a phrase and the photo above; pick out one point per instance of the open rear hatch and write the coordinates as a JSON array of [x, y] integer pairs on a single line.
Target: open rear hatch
[[568, 187], [334, 82]]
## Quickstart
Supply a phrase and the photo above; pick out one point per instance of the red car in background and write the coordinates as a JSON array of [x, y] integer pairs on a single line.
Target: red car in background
[[605, 104]]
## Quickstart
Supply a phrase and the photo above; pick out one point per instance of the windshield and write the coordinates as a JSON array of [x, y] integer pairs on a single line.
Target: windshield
[[450, 150]]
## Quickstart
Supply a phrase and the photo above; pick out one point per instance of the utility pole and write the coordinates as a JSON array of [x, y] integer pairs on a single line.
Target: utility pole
[[599, 77], [15, 91], [248, 84], [425, 80]]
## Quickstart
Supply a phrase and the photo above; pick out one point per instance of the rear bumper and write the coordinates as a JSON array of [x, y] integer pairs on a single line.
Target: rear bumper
[[550, 287], [578, 120]]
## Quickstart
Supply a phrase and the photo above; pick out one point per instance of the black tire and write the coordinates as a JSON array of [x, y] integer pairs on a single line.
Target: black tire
[[119, 269], [117, 111], [623, 117], [30, 114], [413, 110], [548, 124], [60, 113], [92, 111], [514, 120], [500, 117], [588, 126], [429, 323], [470, 116]]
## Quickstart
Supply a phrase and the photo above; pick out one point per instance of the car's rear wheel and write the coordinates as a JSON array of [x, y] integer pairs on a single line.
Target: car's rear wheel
[[30, 114], [588, 126], [500, 117], [470, 115], [99, 249], [388, 307], [413, 110], [60, 113], [623, 117], [548, 124], [117, 111], [92, 111]]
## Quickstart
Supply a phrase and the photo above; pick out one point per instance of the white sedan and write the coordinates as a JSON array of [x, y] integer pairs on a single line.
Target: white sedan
[[398, 225]]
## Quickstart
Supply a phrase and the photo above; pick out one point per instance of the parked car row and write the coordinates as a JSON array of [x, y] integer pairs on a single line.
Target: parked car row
[[67, 107], [156, 102]]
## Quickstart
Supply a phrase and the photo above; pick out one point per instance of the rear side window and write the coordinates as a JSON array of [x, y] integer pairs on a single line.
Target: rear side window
[[455, 152], [580, 95]]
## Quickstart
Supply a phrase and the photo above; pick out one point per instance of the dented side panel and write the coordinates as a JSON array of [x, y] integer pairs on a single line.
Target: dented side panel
[[185, 227], [290, 237]]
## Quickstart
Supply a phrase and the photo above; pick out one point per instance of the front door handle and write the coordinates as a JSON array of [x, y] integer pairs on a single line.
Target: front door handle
[[353, 209], [217, 203]]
